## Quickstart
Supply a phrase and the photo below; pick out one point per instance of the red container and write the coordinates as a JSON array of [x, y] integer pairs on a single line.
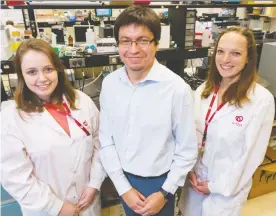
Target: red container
[[142, 2], [15, 2], [198, 39]]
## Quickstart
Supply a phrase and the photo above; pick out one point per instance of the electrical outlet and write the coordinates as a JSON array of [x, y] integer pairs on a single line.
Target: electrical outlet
[[114, 59], [77, 62]]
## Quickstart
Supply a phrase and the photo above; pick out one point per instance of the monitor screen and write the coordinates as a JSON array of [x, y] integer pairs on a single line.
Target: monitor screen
[[60, 35], [227, 12], [104, 12], [79, 31]]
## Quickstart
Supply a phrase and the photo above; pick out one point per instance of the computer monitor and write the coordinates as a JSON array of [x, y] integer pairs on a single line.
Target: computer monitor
[[228, 12], [104, 12], [79, 33], [58, 30]]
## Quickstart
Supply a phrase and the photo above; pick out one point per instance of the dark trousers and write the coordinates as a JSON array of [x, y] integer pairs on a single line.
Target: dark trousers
[[148, 186]]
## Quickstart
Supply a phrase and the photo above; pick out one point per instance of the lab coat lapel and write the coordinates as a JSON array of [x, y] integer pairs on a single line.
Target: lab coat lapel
[[225, 110], [48, 120], [76, 131], [76, 112]]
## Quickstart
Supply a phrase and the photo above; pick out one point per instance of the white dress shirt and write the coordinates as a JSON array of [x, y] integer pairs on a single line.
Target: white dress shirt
[[42, 167], [147, 129]]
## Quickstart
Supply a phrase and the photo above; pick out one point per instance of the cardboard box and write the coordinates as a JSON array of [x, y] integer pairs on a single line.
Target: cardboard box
[[264, 179], [260, 206]]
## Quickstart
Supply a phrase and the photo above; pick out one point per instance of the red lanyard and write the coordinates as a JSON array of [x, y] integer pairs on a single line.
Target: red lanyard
[[208, 120], [68, 113]]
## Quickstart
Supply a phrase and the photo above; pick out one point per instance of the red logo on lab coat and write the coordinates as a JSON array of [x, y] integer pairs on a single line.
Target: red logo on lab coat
[[239, 118], [85, 123]]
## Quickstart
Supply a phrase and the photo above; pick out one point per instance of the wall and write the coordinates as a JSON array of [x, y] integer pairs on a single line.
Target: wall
[[11, 14], [273, 24]]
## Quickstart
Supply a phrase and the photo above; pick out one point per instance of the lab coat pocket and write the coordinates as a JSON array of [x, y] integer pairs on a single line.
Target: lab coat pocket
[[235, 145]]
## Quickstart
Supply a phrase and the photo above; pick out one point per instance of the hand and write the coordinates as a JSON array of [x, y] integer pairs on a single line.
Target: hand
[[134, 199], [203, 187], [87, 197], [68, 210], [194, 182], [154, 203], [192, 178]]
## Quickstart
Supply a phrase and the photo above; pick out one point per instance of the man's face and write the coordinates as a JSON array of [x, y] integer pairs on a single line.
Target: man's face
[[138, 57]]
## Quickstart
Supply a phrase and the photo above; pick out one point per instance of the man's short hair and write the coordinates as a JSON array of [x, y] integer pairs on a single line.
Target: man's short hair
[[141, 16]]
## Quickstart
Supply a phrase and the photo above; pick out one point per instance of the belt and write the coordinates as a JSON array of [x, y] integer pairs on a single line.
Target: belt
[[147, 177]]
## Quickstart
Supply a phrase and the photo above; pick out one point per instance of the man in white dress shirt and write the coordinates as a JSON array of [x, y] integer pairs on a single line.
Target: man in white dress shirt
[[147, 131]]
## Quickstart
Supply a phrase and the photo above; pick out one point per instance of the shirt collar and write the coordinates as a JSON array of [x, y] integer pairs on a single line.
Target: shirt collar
[[155, 74]]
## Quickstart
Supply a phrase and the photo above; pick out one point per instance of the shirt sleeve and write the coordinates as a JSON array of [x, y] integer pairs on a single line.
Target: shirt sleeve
[[108, 152], [17, 173], [184, 134], [97, 173], [256, 142]]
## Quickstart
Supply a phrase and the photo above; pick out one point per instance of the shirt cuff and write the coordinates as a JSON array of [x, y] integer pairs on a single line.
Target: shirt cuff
[[54, 206], [95, 181], [212, 187], [170, 187], [120, 182]]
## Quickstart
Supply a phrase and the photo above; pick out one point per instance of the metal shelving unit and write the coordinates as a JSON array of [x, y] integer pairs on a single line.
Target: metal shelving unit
[[177, 15], [87, 5]]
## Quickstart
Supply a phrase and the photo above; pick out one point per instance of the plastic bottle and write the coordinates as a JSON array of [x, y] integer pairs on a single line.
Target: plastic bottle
[[44, 36], [41, 33], [85, 15], [90, 36], [28, 34], [16, 40], [206, 37], [54, 39]]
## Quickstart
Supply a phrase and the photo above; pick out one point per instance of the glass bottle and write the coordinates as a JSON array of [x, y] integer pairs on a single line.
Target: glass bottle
[[70, 40]]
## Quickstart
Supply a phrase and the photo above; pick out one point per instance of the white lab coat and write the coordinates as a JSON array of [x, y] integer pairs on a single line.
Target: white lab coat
[[236, 144], [42, 166]]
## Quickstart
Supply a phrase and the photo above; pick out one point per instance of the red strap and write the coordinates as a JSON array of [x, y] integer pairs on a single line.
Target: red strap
[[67, 112], [76, 121], [207, 119]]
